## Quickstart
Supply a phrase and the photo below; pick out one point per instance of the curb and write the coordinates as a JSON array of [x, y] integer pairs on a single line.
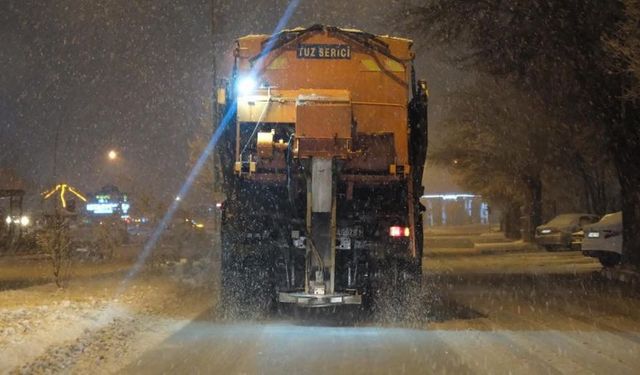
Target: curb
[[620, 274], [451, 252], [509, 251], [502, 247], [481, 250]]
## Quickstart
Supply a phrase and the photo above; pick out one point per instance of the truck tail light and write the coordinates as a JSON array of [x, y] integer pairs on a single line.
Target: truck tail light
[[397, 231]]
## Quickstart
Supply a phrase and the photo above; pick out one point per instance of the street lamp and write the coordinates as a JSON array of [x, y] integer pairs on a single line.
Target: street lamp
[[112, 155]]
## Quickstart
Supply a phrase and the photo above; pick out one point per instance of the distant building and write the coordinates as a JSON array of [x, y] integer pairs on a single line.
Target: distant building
[[454, 209], [109, 201]]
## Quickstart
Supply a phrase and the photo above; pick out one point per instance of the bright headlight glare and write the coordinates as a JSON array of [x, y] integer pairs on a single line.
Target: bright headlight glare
[[8, 220], [24, 221], [246, 85]]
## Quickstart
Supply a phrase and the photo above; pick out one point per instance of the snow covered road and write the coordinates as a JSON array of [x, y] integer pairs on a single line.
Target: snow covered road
[[511, 313], [530, 312]]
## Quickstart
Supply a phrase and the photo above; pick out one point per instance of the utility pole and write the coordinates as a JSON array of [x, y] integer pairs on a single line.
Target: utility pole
[[214, 69], [215, 160], [216, 175]]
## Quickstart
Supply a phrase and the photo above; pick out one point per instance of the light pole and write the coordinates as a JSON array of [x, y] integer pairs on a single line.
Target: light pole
[[118, 168]]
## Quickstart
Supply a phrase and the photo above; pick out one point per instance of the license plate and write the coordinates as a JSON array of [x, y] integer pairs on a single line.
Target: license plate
[[350, 232]]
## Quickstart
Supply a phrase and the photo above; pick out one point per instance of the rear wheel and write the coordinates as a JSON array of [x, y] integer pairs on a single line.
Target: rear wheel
[[609, 260], [247, 266], [247, 286], [394, 284]]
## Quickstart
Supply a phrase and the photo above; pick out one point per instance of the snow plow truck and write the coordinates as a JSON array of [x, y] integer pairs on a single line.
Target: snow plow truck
[[322, 149]]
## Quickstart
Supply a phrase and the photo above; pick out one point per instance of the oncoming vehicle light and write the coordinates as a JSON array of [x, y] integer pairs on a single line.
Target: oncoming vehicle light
[[398, 231], [246, 85]]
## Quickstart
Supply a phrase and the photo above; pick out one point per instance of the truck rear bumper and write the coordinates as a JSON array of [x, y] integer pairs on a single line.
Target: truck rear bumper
[[315, 300]]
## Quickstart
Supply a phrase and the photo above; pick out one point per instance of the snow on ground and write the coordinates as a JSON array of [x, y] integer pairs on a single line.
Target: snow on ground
[[97, 321], [539, 262], [505, 312], [106, 347], [25, 333]]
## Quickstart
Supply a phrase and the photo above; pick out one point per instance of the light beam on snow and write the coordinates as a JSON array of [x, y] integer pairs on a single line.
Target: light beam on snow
[[195, 171]]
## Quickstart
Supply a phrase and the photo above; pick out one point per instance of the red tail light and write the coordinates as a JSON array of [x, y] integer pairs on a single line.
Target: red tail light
[[397, 231]]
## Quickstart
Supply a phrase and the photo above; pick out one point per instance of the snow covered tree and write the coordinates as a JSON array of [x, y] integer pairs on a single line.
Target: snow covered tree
[[499, 143], [556, 51]]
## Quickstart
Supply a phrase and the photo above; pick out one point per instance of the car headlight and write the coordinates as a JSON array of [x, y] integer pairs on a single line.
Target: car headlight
[[545, 231]]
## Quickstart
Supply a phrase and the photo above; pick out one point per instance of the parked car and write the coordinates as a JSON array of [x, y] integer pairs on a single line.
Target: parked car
[[557, 233], [603, 240]]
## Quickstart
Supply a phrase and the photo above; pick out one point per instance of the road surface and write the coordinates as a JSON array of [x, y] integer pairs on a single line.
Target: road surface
[[533, 312]]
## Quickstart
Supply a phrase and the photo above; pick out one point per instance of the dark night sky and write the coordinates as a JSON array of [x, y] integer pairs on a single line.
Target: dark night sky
[[133, 75]]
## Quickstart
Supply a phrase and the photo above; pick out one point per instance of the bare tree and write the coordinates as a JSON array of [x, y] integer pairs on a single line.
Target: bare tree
[[625, 44], [107, 237], [55, 241]]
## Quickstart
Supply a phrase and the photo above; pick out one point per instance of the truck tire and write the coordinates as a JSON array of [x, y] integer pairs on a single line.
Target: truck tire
[[247, 286], [394, 283]]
